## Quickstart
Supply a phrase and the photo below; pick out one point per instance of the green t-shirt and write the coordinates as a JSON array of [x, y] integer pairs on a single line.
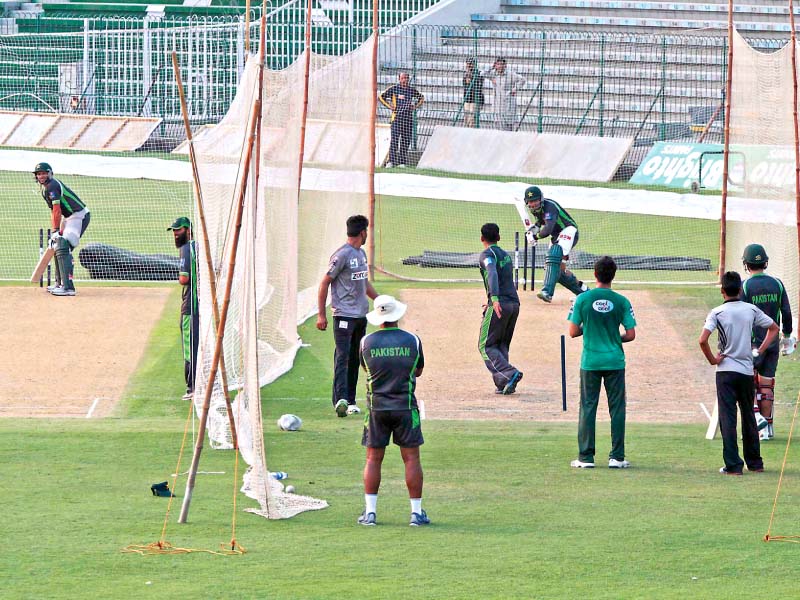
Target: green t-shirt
[[601, 311]]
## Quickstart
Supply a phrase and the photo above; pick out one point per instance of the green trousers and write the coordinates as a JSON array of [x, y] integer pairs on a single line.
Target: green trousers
[[614, 381]]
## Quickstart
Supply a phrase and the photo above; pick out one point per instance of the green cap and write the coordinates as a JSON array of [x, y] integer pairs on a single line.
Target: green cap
[[179, 223]]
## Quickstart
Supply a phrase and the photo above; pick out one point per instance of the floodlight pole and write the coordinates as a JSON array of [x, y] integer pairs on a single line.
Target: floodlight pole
[[251, 135], [212, 277]]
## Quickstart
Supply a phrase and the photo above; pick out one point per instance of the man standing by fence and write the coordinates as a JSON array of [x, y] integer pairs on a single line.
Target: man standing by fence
[[505, 83], [403, 100]]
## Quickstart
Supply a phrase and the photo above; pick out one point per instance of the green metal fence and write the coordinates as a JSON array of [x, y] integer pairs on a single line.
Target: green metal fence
[[650, 87]]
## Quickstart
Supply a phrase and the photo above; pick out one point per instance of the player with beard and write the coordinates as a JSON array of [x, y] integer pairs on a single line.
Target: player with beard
[[190, 318]]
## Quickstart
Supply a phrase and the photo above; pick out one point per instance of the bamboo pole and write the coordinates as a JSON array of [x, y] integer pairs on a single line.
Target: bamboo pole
[[372, 117], [304, 118], [726, 148], [796, 131], [247, 27], [198, 448], [212, 277]]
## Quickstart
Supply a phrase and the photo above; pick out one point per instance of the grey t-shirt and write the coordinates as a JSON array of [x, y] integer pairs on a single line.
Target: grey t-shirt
[[734, 321], [349, 271], [391, 358]]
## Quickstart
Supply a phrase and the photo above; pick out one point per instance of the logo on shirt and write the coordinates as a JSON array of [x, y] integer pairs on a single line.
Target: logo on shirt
[[603, 306], [359, 276], [353, 263]]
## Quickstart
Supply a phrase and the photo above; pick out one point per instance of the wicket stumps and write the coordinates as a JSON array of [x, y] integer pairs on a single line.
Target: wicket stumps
[[41, 253], [563, 375]]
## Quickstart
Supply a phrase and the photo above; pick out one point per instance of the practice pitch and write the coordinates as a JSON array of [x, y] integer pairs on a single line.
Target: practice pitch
[[666, 375], [72, 357]]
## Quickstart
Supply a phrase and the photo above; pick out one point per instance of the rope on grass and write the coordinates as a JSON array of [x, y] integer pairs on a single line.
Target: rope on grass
[[768, 537]]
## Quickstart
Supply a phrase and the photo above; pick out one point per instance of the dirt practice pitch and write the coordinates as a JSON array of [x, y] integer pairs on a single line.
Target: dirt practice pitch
[[667, 376], [72, 357]]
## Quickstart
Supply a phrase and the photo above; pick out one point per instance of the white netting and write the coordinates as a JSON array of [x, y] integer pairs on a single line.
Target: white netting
[[261, 332], [761, 200], [336, 158]]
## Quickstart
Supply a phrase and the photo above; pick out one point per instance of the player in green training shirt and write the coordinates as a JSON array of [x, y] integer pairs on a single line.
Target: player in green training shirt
[[597, 316], [181, 229]]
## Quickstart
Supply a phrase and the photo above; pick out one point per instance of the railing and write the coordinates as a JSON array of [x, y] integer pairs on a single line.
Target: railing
[[650, 87]]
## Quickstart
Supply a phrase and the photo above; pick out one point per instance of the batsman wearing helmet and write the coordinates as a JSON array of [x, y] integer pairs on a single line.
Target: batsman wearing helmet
[[768, 294], [551, 220], [70, 218]]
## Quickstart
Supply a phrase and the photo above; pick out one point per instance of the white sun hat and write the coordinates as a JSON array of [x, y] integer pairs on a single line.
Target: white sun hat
[[387, 310]]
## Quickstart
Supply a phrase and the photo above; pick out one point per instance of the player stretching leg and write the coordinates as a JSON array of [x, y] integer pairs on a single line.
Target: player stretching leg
[[550, 220], [768, 294], [70, 220]]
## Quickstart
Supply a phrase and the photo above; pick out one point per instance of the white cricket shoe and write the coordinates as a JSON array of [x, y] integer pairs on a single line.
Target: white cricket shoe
[[579, 464], [60, 291], [613, 463], [352, 409]]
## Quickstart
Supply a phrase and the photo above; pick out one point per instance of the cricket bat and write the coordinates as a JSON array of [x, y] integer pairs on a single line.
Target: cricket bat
[[522, 209], [44, 260]]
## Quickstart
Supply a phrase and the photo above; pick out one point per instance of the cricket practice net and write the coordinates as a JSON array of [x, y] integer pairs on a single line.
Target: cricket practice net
[[761, 202], [278, 263]]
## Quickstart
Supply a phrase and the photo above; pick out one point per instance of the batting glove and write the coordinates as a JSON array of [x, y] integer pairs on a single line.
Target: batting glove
[[788, 345], [54, 237]]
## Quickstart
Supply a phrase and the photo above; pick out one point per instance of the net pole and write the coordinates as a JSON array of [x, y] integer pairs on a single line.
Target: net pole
[[304, 118], [201, 431], [796, 130], [372, 116], [247, 27], [201, 213], [726, 146]]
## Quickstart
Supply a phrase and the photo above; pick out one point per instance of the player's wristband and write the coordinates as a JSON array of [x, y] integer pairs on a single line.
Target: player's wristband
[[495, 299]]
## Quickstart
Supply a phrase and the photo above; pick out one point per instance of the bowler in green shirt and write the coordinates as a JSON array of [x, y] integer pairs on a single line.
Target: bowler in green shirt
[[597, 316]]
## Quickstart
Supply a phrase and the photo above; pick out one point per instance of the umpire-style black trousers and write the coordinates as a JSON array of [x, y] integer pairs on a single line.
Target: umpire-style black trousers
[[347, 334], [736, 389]]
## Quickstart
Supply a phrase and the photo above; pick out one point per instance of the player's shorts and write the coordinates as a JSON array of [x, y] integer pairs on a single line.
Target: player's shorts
[[401, 425], [767, 364]]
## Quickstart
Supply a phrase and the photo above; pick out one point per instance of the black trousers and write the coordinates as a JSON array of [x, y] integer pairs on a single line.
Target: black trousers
[[494, 341], [402, 130], [736, 389], [347, 334]]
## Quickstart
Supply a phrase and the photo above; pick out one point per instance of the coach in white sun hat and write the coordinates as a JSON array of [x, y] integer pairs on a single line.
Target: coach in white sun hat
[[387, 310]]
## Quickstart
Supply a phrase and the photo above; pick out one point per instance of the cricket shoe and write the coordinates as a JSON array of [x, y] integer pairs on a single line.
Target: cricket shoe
[[188, 396], [613, 463], [724, 471], [50, 288], [579, 464], [544, 296], [511, 386], [352, 409], [341, 408], [60, 291], [419, 519], [368, 519]]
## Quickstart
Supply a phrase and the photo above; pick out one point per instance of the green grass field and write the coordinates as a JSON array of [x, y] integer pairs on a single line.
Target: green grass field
[[511, 519], [133, 214]]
